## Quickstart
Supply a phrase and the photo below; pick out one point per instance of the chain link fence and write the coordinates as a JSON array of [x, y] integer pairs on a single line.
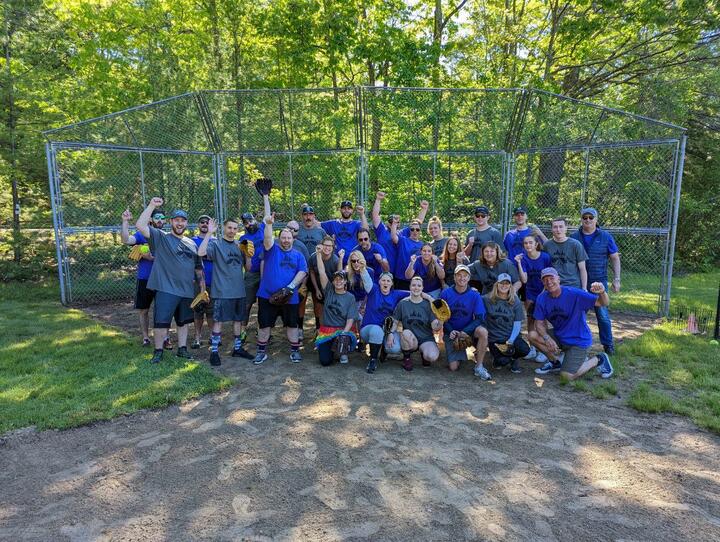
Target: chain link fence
[[456, 148]]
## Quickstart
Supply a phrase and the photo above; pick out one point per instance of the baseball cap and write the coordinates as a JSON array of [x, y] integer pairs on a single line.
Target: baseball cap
[[502, 277], [179, 213], [308, 209], [158, 215], [462, 267], [346, 203], [519, 209], [342, 274], [549, 272], [201, 217], [247, 217], [482, 209], [589, 211]]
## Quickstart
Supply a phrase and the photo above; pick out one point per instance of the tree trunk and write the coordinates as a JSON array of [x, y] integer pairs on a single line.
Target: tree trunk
[[11, 125]]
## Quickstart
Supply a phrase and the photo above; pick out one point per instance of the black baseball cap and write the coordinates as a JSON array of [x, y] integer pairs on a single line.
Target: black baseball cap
[[158, 214], [308, 209], [247, 217], [346, 203], [519, 209], [205, 217], [482, 209], [342, 274]]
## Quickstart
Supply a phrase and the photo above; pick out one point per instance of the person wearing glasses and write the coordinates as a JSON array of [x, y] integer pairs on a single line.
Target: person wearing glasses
[[491, 264], [513, 241], [600, 247], [359, 278], [204, 310], [331, 263], [568, 255], [345, 229], [481, 234], [429, 268], [406, 247], [373, 252]]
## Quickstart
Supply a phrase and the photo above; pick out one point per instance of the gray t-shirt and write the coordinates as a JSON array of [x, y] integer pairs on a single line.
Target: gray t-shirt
[[228, 273], [310, 237], [330, 266], [338, 308], [500, 317], [438, 246], [176, 260], [565, 257], [482, 237], [417, 318], [483, 277]]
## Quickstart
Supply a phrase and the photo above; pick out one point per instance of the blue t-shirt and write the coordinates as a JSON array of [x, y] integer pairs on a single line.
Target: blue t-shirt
[[464, 308], [207, 264], [384, 238], [513, 242], [369, 255], [406, 247], [380, 306], [281, 266], [144, 266], [357, 289], [345, 234], [257, 239], [587, 239], [566, 313], [533, 268], [421, 270]]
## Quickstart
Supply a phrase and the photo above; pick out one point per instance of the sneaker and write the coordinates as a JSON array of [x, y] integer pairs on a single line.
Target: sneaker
[[167, 344], [425, 363], [182, 352], [407, 364], [157, 356], [146, 342], [344, 359], [532, 354], [296, 356], [371, 366], [540, 358], [260, 358], [195, 345], [214, 359], [482, 372], [501, 361], [609, 349], [605, 368], [549, 367], [515, 367], [241, 353]]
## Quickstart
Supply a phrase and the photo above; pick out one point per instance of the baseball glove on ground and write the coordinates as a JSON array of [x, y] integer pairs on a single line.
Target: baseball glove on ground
[[263, 186], [281, 296], [247, 247], [341, 344], [202, 297], [462, 341], [440, 309]]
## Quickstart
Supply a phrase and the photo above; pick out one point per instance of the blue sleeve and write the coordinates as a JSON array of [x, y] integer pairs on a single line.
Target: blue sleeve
[[405, 232], [139, 238], [539, 312], [612, 245], [587, 299], [328, 226], [380, 250], [507, 242], [515, 331], [301, 262]]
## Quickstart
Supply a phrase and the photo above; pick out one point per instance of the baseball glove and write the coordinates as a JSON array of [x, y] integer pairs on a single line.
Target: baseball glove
[[137, 251], [388, 324], [263, 186], [505, 349], [341, 344], [281, 296], [247, 247], [462, 341], [303, 291], [440, 309], [202, 297]]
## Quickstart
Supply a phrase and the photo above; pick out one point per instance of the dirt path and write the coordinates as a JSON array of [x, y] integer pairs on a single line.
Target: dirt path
[[305, 452]]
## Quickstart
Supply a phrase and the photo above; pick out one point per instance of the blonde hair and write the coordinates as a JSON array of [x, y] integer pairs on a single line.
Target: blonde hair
[[495, 297], [350, 271], [434, 220]]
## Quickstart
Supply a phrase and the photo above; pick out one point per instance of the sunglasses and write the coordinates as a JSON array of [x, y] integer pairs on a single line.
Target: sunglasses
[[363, 239], [329, 246], [414, 229], [204, 222], [588, 217], [480, 215], [354, 261]]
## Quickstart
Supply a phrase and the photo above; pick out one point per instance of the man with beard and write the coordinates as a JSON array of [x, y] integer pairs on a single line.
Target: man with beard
[[253, 232], [481, 234], [344, 229], [204, 310], [298, 245], [175, 269], [310, 232], [143, 296], [373, 252]]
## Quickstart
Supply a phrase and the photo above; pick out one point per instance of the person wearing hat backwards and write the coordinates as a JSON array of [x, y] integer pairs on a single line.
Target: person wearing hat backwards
[[600, 247], [481, 234], [504, 316], [204, 310], [345, 229], [175, 269], [568, 346], [467, 316]]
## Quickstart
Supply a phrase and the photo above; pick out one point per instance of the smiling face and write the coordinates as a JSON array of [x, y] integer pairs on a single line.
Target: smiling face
[[520, 218], [203, 225], [346, 212], [490, 255], [327, 248], [435, 230], [364, 240], [426, 254], [589, 222], [481, 219], [356, 261], [503, 289], [339, 283], [551, 284], [179, 225], [452, 245], [414, 231], [230, 230], [416, 286], [530, 244], [462, 278], [286, 239]]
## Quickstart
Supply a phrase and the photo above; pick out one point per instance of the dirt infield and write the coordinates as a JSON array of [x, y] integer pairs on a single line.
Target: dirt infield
[[305, 452]]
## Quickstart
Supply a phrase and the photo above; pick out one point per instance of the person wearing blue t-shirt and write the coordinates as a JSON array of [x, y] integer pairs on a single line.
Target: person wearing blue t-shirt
[[428, 267], [568, 347], [513, 240], [255, 233], [467, 316], [203, 311], [600, 247], [284, 267], [406, 247], [345, 229], [374, 253], [143, 296]]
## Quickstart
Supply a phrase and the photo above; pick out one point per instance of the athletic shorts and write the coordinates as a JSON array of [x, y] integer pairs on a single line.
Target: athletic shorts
[[252, 284], [268, 314], [522, 293], [229, 310], [143, 296], [575, 356], [205, 308], [169, 306], [451, 354]]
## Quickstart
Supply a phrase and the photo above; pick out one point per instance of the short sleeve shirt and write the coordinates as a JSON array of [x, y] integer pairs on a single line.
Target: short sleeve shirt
[[207, 264], [379, 306], [176, 260], [228, 272], [464, 308], [406, 247], [345, 234], [500, 317], [338, 308], [486, 276], [565, 257], [144, 266], [330, 265], [310, 237], [416, 317], [482, 237], [280, 269], [566, 313]]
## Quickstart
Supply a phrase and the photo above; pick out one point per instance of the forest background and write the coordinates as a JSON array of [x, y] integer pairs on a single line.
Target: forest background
[[69, 60]]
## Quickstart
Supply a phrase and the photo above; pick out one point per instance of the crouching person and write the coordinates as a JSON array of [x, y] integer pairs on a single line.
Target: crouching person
[[339, 315], [504, 316]]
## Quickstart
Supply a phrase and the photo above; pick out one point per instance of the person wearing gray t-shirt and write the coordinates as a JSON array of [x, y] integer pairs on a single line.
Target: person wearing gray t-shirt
[[567, 254], [481, 234], [176, 268], [230, 260]]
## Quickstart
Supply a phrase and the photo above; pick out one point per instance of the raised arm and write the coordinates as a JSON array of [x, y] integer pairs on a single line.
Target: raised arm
[[143, 221], [424, 206], [321, 274], [603, 299], [375, 213], [360, 209], [410, 269], [439, 269], [125, 236], [212, 228], [268, 240], [521, 273], [394, 233]]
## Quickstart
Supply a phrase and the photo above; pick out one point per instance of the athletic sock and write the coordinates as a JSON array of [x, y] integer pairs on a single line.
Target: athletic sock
[[261, 347], [237, 345], [407, 353], [374, 350], [215, 342], [295, 347]]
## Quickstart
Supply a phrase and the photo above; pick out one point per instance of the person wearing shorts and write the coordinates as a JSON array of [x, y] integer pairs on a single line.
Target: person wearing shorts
[[568, 348], [256, 233], [467, 315], [331, 263], [203, 311], [229, 259], [176, 268]]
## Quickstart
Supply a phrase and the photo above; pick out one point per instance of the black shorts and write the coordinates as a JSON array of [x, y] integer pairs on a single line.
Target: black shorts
[[268, 314], [143, 296], [401, 284], [205, 308], [229, 310], [169, 306]]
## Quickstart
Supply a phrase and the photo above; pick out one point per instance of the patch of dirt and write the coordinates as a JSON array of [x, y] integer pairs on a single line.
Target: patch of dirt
[[298, 451]]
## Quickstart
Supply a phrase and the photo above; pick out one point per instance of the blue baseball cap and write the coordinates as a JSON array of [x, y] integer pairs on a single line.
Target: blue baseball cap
[[549, 272], [504, 277], [179, 213], [589, 211]]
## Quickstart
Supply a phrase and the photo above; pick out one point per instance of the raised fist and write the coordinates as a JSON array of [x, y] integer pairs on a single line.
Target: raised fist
[[378, 256], [156, 201], [380, 195], [359, 209], [471, 240], [341, 253], [518, 258], [413, 257], [424, 204], [318, 248], [269, 219], [597, 288], [127, 215]]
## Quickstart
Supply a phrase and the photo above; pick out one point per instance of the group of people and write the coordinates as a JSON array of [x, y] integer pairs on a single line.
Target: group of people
[[381, 295]]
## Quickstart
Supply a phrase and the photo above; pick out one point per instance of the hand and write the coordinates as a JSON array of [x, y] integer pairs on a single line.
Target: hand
[[127, 215], [380, 195], [435, 259], [471, 240], [269, 219], [518, 258], [616, 285], [424, 204], [212, 226], [413, 258], [378, 257], [156, 202], [597, 288], [318, 249], [436, 325], [552, 346], [360, 209], [535, 230], [319, 295], [341, 253], [390, 340], [453, 334]]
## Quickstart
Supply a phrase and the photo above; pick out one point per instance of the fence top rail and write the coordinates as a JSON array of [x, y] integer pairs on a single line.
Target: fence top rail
[[71, 145], [596, 146]]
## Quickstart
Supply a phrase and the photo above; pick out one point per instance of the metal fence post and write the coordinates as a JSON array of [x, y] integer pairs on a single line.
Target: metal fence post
[[673, 224], [50, 156]]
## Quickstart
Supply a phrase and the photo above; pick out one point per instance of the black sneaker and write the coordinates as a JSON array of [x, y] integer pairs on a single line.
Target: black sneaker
[[195, 345], [515, 367], [157, 356], [371, 366], [182, 352], [241, 353], [214, 359], [609, 349]]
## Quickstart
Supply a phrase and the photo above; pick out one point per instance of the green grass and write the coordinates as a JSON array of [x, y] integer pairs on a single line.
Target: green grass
[[640, 291], [59, 368]]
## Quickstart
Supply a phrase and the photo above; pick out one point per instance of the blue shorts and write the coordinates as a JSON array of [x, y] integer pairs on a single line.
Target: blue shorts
[[229, 310], [169, 306]]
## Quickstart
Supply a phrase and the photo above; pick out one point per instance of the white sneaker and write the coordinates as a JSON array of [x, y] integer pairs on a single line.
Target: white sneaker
[[343, 359], [533, 352], [540, 358], [482, 372]]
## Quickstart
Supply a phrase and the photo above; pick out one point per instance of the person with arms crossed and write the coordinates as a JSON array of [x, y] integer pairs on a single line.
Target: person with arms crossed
[[567, 255]]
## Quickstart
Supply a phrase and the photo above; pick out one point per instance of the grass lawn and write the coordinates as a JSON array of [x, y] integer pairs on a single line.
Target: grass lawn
[[59, 368], [640, 291]]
